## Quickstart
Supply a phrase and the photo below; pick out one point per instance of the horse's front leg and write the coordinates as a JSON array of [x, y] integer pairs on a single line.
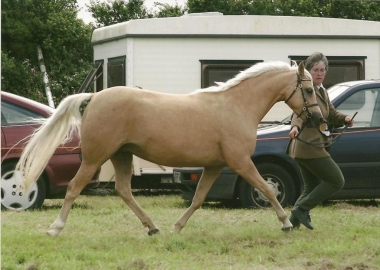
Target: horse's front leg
[[205, 182], [248, 171], [75, 187]]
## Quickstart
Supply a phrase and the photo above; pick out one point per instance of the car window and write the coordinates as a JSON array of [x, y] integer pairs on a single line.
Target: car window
[[12, 115], [354, 102], [367, 103]]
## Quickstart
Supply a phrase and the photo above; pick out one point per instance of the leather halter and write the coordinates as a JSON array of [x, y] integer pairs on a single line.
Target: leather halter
[[305, 109]]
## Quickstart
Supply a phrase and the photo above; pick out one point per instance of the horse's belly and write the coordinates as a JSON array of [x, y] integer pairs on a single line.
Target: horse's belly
[[186, 156]]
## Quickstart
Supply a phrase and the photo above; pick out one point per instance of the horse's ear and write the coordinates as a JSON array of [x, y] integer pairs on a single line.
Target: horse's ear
[[294, 63], [301, 69]]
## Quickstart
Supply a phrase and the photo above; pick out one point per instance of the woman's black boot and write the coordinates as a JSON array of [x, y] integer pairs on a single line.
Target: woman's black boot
[[303, 216]]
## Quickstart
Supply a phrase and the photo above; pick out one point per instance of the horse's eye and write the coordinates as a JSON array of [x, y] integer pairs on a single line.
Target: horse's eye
[[309, 90]]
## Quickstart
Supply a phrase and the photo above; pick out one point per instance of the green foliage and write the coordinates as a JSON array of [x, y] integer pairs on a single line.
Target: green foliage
[[117, 11], [223, 6], [107, 13], [64, 39], [166, 10], [67, 53], [362, 10], [28, 86]]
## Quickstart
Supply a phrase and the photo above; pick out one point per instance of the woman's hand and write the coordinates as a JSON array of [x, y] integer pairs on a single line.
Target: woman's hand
[[293, 132], [349, 121]]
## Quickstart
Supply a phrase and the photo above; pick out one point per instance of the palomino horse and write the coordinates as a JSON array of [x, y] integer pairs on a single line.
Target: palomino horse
[[210, 128]]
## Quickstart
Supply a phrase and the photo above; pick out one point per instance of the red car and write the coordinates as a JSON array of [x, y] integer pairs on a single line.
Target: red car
[[16, 125]]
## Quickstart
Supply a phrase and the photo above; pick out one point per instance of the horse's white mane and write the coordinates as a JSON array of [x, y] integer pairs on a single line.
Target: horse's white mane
[[251, 72]]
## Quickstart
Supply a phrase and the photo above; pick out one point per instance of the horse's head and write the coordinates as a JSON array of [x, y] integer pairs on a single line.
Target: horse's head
[[302, 99]]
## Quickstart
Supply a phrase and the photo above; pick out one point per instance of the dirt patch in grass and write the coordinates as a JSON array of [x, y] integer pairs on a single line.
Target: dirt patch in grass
[[33, 266], [357, 266], [138, 264], [353, 204], [325, 264], [268, 243]]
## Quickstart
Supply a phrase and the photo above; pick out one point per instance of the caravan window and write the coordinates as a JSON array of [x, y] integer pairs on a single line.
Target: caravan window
[[341, 68], [116, 71], [222, 70]]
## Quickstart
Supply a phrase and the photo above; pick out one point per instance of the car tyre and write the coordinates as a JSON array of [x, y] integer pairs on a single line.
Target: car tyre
[[278, 178], [12, 199]]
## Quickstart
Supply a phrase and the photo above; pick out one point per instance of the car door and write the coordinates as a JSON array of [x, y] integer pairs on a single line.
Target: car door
[[15, 136], [3, 144], [357, 152]]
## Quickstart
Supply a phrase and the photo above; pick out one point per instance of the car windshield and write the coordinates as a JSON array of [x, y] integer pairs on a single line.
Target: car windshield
[[286, 120]]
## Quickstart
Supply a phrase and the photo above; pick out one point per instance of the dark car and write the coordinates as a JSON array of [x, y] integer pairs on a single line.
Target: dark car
[[17, 114], [357, 152]]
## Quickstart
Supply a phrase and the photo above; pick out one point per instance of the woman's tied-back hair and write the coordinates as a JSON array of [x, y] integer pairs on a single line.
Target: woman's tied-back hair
[[315, 58]]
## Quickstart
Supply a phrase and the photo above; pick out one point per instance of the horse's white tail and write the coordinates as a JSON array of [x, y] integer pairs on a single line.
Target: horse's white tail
[[58, 129]]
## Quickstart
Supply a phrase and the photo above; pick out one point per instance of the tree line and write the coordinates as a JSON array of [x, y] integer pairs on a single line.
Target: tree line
[[46, 35]]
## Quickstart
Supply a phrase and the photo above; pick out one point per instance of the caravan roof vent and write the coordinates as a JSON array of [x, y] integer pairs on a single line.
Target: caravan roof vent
[[203, 14]]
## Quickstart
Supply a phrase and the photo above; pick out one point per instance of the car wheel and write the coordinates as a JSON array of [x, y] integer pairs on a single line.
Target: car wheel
[[12, 198], [278, 179]]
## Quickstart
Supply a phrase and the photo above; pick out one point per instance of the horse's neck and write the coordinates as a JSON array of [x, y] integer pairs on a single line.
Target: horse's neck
[[257, 95]]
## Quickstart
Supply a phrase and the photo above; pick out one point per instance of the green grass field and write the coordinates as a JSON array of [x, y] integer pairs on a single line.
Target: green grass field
[[102, 233]]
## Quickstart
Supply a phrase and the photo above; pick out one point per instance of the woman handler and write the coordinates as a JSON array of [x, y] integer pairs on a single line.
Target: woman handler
[[321, 175]]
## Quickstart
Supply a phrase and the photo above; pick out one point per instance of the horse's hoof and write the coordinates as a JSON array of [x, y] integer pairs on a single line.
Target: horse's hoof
[[53, 233], [177, 228], [287, 229], [154, 231]]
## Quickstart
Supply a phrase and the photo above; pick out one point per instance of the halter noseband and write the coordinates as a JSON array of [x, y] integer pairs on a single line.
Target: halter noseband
[[306, 105]]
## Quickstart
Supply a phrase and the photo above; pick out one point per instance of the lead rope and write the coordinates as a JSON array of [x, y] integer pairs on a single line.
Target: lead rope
[[323, 144]]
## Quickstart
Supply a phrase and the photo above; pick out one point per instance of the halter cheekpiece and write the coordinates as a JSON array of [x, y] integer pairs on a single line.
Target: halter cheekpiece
[[305, 109]]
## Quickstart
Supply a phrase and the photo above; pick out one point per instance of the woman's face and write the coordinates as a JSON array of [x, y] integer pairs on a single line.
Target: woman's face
[[318, 72]]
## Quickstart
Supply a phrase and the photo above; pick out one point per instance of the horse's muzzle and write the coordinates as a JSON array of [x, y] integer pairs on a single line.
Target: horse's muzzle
[[315, 120]]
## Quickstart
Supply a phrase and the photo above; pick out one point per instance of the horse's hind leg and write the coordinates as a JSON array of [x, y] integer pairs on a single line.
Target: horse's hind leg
[[248, 171], [205, 183], [122, 162], [76, 185]]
